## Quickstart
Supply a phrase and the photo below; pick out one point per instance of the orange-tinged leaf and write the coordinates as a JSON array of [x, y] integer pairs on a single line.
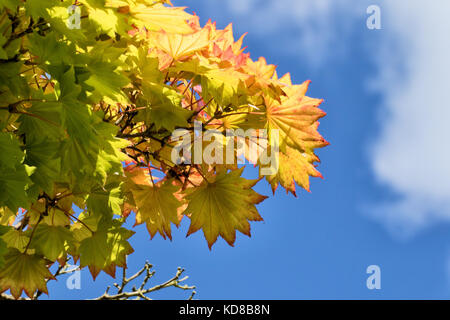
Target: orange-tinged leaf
[[294, 167], [223, 204], [137, 176], [24, 272], [260, 68], [296, 119], [223, 46], [225, 38]]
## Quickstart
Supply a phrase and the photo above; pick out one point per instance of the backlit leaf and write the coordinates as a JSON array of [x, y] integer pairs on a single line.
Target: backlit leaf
[[223, 204], [24, 272]]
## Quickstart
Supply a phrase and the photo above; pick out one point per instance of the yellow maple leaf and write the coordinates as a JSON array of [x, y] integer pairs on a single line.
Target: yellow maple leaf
[[181, 46], [260, 68], [294, 167], [223, 204], [158, 17], [157, 207]]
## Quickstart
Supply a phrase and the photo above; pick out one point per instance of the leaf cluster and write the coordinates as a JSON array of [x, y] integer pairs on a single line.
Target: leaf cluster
[[86, 121]]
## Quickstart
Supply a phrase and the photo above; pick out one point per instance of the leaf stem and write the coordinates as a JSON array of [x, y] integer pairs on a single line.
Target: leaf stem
[[32, 234]]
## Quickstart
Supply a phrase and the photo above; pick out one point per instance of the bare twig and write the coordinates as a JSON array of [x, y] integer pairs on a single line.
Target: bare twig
[[142, 293]]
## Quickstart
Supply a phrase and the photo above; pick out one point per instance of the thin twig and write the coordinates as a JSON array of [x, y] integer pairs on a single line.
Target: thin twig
[[141, 293]]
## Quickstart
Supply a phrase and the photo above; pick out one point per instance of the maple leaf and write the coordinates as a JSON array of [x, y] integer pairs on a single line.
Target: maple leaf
[[83, 228], [146, 65], [159, 17], [294, 167], [106, 20], [225, 85], [180, 46], [9, 146], [223, 38], [106, 81], [57, 216], [24, 272], [42, 154], [164, 108], [13, 186], [105, 249], [106, 199], [14, 175], [16, 239], [157, 207], [261, 70], [296, 119], [52, 241], [223, 204]]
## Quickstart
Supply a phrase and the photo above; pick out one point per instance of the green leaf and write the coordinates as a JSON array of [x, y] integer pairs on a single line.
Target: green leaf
[[49, 50], [10, 4], [110, 156], [44, 155], [106, 21], [106, 249], [52, 241], [3, 247], [38, 8], [165, 109], [10, 153], [58, 15], [36, 127], [24, 272], [107, 199], [14, 175], [17, 239], [106, 82]]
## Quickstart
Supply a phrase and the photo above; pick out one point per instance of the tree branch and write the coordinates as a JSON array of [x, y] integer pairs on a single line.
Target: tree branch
[[142, 293]]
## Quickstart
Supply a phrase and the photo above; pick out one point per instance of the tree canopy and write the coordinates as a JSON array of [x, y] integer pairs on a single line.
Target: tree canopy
[[91, 93]]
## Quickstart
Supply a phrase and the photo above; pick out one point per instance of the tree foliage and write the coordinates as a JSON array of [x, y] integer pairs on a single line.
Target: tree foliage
[[87, 114]]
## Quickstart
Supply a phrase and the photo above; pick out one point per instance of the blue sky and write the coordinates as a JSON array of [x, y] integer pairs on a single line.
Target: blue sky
[[385, 197]]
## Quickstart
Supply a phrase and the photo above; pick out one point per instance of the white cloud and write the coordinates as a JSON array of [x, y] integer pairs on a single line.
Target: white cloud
[[412, 154]]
